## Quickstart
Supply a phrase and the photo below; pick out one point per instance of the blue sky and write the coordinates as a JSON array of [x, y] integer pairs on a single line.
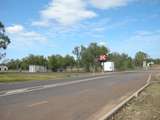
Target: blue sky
[[47, 27]]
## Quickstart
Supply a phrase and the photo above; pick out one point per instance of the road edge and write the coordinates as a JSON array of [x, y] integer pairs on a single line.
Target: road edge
[[111, 113]]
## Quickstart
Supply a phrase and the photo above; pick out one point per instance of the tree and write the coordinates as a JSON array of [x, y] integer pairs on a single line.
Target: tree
[[24, 64], [122, 61], [35, 60], [77, 52], [60, 62], [4, 40], [52, 63], [90, 54], [56, 62], [157, 61], [139, 58], [69, 61], [14, 64]]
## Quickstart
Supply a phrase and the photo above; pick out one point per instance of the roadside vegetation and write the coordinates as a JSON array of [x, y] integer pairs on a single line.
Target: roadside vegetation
[[144, 107], [17, 76], [85, 59]]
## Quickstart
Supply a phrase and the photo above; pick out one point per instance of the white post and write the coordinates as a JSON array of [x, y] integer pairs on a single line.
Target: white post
[[102, 67]]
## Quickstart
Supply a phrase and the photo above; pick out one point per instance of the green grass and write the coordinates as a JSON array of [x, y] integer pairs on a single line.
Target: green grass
[[17, 77]]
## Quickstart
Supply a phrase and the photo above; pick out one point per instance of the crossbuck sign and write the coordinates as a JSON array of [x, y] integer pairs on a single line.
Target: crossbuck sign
[[103, 58]]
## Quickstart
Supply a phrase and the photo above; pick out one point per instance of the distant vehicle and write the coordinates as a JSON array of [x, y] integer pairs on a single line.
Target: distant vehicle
[[109, 66]]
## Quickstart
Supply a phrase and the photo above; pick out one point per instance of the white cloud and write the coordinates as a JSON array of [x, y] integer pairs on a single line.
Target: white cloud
[[15, 29], [69, 12], [42, 23], [108, 4], [22, 38], [65, 12], [102, 43]]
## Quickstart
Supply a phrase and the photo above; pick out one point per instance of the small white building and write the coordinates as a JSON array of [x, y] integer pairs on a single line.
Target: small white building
[[3, 68], [37, 68], [147, 65], [109, 66]]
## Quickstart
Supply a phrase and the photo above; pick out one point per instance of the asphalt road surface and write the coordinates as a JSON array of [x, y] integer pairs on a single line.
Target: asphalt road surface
[[85, 98]]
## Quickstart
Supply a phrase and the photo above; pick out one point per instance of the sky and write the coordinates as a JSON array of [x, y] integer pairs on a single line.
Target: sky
[[46, 27]]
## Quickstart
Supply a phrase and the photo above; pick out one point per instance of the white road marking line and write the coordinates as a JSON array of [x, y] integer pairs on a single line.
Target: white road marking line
[[29, 89], [37, 103], [15, 91], [73, 82]]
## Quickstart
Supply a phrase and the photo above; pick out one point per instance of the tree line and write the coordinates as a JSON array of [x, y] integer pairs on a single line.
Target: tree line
[[53, 62], [83, 57]]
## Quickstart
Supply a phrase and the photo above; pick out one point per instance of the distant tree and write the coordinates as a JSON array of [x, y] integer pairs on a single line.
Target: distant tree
[[77, 52], [52, 63], [56, 62], [122, 61], [157, 61], [4, 40], [14, 64], [36, 60], [90, 54], [139, 58], [32, 60], [60, 62], [24, 63], [69, 61]]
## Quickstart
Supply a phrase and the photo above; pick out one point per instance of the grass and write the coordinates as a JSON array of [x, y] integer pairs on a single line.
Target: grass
[[17, 77], [144, 107]]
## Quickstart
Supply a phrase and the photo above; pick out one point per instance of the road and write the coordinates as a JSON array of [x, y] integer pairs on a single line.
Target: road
[[85, 98]]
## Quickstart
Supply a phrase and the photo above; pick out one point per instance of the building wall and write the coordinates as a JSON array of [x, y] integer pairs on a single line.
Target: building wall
[[109, 66], [37, 68], [3, 68]]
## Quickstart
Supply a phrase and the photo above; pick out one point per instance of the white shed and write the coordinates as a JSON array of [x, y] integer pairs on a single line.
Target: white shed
[[3, 68], [37, 68], [109, 66]]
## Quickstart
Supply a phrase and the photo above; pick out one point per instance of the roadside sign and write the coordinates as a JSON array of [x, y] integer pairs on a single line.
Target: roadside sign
[[102, 58]]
